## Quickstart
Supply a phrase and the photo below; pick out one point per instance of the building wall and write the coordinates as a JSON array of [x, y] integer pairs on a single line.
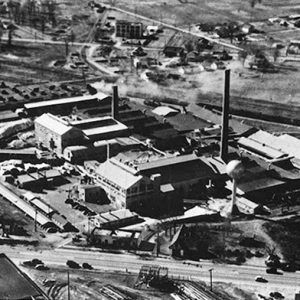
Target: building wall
[[90, 194], [44, 136], [54, 141], [129, 30]]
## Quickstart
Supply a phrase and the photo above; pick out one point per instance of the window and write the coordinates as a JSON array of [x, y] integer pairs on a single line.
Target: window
[[142, 187]]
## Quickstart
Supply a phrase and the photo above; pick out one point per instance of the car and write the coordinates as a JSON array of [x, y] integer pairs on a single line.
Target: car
[[273, 271], [41, 267], [73, 264], [36, 261], [276, 295], [87, 266], [260, 279], [28, 263]]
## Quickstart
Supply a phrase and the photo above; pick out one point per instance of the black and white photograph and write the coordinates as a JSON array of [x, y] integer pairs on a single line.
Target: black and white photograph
[[149, 150]]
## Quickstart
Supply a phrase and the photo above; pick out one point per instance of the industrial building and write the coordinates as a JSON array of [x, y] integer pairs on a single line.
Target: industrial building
[[101, 128], [130, 30], [54, 134], [64, 106], [134, 181], [91, 194], [99, 150]]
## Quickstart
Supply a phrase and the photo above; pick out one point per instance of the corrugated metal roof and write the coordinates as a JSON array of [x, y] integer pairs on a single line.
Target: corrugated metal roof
[[260, 148], [42, 205], [285, 143], [53, 123], [290, 144]]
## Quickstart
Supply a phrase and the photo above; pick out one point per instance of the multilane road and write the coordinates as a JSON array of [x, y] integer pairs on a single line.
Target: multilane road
[[244, 275]]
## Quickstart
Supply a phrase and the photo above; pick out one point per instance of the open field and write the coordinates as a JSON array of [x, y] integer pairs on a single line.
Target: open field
[[195, 11]]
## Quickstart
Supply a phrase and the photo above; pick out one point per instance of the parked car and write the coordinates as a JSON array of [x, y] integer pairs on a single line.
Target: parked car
[[41, 267], [73, 264], [87, 266], [260, 279], [273, 271], [276, 295]]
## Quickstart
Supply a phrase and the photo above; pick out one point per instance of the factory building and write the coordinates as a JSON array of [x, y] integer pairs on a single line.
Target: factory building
[[101, 128], [143, 185], [55, 134]]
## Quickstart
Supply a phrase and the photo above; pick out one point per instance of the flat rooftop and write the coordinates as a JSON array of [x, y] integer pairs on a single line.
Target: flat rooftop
[[65, 101], [98, 126], [14, 284]]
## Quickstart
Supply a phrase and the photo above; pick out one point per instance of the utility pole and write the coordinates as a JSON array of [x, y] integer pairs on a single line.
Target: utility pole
[[69, 297], [35, 220], [157, 243], [210, 275]]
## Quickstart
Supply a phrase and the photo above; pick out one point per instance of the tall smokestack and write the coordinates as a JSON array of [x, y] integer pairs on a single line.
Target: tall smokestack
[[115, 103], [225, 118]]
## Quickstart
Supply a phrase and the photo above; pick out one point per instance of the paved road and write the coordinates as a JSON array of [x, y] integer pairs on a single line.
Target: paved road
[[119, 262], [200, 35]]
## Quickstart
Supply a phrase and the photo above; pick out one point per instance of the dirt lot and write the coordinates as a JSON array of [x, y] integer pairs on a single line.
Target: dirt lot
[[87, 285]]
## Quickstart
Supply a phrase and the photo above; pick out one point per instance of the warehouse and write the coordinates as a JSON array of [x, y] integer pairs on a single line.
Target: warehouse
[[55, 134]]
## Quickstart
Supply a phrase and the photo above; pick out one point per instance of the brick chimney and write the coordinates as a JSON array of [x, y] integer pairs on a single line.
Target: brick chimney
[[225, 118], [115, 103]]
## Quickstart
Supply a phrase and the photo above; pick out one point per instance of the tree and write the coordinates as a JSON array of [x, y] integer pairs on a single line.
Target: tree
[[254, 2], [189, 46]]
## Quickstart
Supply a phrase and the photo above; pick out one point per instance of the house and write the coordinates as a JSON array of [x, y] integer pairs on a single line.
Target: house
[[55, 134], [92, 194], [247, 28], [118, 239], [172, 51]]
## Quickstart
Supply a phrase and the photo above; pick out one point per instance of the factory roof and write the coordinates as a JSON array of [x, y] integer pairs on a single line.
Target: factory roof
[[285, 143], [260, 148], [100, 125], [256, 184], [33, 105], [118, 174], [164, 111], [187, 122], [59, 220], [174, 160], [42, 205], [53, 123], [14, 284]]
